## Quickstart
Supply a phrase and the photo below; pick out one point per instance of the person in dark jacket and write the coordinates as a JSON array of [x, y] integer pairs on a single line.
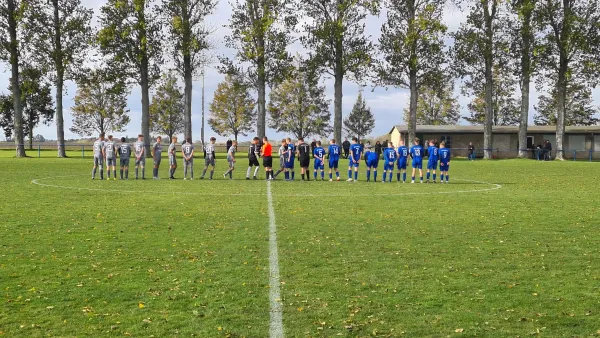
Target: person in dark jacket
[[313, 145], [378, 149], [346, 147], [471, 151]]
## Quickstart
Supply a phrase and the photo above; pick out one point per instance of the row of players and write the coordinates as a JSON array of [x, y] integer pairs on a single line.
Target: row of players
[[107, 150]]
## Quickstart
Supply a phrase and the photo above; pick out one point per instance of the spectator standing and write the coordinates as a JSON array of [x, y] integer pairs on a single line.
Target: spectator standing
[[346, 147], [471, 151], [378, 149], [547, 151], [313, 145]]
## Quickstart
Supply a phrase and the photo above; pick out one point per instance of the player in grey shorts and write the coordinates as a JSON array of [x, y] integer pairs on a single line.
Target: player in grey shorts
[[124, 155], [172, 157], [282, 152], [231, 160], [99, 157], [110, 151], [187, 149], [140, 156], [209, 158], [156, 156]]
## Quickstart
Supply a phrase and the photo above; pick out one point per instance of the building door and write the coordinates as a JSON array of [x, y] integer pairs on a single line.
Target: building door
[[529, 142]]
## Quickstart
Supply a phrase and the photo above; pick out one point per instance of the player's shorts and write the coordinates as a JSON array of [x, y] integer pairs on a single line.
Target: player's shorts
[[110, 161], [289, 164], [352, 164], [319, 165], [172, 160], [209, 161], [98, 160], [417, 164], [444, 166], [231, 163], [333, 163], [281, 162], [304, 161], [373, 163], [141, 161], [124, 161], [267, 161], [388, 166], [157, 160], [402, 164], [253, 162], [432, 165]]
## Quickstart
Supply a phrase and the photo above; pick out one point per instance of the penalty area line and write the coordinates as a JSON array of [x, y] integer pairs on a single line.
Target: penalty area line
[[275, 311]]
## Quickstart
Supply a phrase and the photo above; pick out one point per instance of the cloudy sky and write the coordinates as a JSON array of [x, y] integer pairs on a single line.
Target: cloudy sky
[[386, 104]]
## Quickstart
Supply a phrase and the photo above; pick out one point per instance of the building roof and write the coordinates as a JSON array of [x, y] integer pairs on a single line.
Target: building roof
[[458, 129]]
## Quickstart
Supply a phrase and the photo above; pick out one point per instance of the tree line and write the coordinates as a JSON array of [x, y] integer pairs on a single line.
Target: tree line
[[501, 48]]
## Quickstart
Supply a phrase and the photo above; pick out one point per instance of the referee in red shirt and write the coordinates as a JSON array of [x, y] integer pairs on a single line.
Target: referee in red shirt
[[267, 159]]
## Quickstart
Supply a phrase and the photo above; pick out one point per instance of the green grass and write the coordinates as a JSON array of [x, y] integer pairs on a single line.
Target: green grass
[[191, 258]]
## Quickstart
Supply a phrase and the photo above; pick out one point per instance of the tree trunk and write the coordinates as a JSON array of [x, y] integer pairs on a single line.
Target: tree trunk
[[489, 84], [338, 94], [412, 110], [202, 127], [261, 84], [145, 106], [60, 75], [16, 89], [30, 137], [561, 89], [187, 96]]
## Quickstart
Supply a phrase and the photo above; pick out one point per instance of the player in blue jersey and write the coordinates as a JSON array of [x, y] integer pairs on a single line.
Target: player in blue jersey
[[416, 153], [389, 156], [432, 160], [334, 152], [289, 160], [355, 155], [402, 160], [372, 159], [319, 156], [444, 154]]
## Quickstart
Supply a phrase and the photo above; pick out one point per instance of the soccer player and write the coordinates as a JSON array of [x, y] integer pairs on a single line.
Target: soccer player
[[304, 157], [319, 156], [416, 153], [99, 157], [209, 158], [282, 152], [253, 155], [140, 156], [187, 149], [231, 160], [156, 156], [334, 152], [172, 157], [267, 150], [432, 160], [389, 155], [289, 162], [110, 151], [355, 155], [402, 160], [372, 159], [444, 154], [124, 155]]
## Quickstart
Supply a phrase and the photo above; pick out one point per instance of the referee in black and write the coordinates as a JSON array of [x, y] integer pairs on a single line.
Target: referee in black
[[304, 157]]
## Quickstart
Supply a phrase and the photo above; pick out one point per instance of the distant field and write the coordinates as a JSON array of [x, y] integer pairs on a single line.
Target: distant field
[[508, 248]]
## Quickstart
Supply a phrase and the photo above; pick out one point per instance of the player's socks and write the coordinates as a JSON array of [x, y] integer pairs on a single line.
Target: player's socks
[[448, 178], [211, 174], [293, 175], [413, 178], [287, 175], [368, 175], [421, 179], [108, 173], [384, 176], [127, 174], [375, 176], [248, 172], [398, 177], [349, 174], [230, 174], [434, 175], [337, 174], [390, 179], [121, 172], [101, 174], [203, 172], [404, 177], [322, 175], [315, 175], [356, 175], [256, 171], [143, 173], [442, 178], [428, 175], [277, 173], [115, 174], [330, 176], [94, 173]]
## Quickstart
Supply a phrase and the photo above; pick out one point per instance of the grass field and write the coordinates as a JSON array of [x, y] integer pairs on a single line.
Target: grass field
[[509, 248]]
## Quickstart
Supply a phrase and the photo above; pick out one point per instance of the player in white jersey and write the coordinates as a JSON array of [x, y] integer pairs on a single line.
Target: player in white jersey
[[209, 158], [187, 149], [140, 156], [99, 157], [110, 151], [172, 157], [156, 156]]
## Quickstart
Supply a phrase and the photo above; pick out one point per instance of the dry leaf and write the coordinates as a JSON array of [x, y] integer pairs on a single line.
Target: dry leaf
[[459, 330]]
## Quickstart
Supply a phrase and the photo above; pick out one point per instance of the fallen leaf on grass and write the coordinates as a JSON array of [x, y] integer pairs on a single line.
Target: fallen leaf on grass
[[459, 330], [141, 305]]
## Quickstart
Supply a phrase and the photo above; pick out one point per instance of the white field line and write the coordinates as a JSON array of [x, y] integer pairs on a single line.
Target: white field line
[[276, 311], [492, 186]]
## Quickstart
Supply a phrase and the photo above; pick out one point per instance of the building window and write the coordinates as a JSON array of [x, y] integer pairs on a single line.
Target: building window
[[447, 140]]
